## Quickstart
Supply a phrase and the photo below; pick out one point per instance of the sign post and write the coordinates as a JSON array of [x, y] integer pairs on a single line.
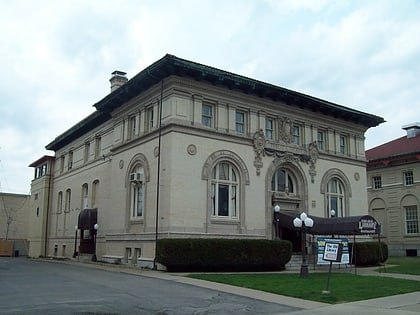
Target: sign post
[[332, 253]]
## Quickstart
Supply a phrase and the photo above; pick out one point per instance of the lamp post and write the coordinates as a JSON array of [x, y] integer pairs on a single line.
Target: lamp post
[[75, 242], [303, 222], [95, 226], [277, 220]]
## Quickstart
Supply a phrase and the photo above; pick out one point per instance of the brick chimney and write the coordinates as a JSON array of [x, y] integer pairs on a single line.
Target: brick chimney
[[413, 129], [118, 79]]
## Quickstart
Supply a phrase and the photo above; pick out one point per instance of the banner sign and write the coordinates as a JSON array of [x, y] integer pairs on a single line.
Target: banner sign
[[321, 248]]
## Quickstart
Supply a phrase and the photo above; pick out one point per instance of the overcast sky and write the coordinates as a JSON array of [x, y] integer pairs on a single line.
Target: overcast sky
[[57, 57]]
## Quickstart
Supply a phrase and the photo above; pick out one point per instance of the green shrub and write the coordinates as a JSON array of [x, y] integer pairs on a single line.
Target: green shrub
[[369, 253], [223, 254]]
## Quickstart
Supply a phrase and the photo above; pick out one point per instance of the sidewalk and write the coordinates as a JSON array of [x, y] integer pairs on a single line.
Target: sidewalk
[[404, 304]]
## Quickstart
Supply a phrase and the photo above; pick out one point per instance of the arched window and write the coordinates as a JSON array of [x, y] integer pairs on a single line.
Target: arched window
[[95, 187], [85, 196], [224, 191], [137, 192], [282, 181], [60, 202], [68, 200], [336, 197]]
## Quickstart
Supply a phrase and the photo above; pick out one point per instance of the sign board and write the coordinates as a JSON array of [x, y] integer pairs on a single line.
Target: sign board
[[332, 251], [345, 255], [368, 226]]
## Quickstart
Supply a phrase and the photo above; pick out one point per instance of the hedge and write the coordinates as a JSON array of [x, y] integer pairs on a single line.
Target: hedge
[[223, 254], [369, 254]]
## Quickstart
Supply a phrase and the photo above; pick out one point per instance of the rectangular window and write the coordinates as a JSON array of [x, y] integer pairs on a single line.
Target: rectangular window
[[296, 134], [132, 126], [408, 178], [269, 128], [343, 144], [137, 200], [98, 146], [87, 151], [150, 118], [70, 162], [411, 220], [240, 122], [207, 115], [320, 140], [376, 182], [62, 160]]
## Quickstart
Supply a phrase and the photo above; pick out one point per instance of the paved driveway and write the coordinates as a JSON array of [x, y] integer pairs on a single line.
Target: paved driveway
[[40, 287]]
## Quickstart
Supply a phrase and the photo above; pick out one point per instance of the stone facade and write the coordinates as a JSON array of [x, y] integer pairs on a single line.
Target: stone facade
[[393, 172], [192, 151]]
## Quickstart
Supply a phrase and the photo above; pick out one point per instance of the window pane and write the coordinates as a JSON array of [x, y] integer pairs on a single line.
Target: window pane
[[139, 204], [240, 122], [269, 129], [223, 205], [224, 171], [207, 115]]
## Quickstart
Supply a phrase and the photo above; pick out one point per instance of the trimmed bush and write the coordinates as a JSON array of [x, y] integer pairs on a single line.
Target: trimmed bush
[[369, 254], [223, 254]]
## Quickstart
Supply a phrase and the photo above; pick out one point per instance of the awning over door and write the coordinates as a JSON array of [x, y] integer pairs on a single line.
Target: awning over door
[[354, 225], [87, 219]]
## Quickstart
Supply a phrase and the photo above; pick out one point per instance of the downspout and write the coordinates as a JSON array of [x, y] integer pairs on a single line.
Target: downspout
[[158, 171], [47, 214]]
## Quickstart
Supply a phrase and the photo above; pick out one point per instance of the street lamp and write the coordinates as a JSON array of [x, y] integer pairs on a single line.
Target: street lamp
[[277, 220], [75, 242], [303, 222], [94, 242]]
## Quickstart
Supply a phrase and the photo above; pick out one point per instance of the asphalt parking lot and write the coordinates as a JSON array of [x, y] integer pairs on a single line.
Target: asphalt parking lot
[[42, 287]]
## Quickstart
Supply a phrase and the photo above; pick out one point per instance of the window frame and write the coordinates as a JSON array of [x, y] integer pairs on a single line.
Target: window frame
[[320, 141], [339, 194], [240, 122], [408, 178], [137, 194], [207, 119], [85, 196], [343, 143], [132, 125], [150, 115], [269, 130], [296, 134], [218, 187], [288, 179], [376, 182], [414, 221]]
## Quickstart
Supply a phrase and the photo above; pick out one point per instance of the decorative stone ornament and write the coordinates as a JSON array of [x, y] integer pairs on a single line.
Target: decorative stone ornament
[[259, 146], [192, 149]]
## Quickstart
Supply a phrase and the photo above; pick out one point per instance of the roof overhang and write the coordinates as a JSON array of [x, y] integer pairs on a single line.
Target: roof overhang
[[171, 65]]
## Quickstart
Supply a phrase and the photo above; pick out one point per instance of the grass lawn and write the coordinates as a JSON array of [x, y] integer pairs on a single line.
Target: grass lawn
[[407, 265], [344, 287]]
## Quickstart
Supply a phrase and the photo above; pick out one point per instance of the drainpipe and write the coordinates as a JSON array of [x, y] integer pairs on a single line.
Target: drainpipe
[[48, 213]]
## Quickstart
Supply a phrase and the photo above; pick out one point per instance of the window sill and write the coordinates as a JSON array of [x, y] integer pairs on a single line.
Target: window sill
[[136, 221], [227, 221]]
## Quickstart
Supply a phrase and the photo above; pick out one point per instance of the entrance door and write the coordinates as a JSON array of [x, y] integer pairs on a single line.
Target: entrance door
[[87, 242], [295, 237]]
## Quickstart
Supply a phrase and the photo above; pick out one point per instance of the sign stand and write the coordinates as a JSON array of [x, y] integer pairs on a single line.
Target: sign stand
[[332, 252]]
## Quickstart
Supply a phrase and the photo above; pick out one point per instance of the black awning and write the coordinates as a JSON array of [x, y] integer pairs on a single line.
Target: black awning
[[87, 219], [354, 225]]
